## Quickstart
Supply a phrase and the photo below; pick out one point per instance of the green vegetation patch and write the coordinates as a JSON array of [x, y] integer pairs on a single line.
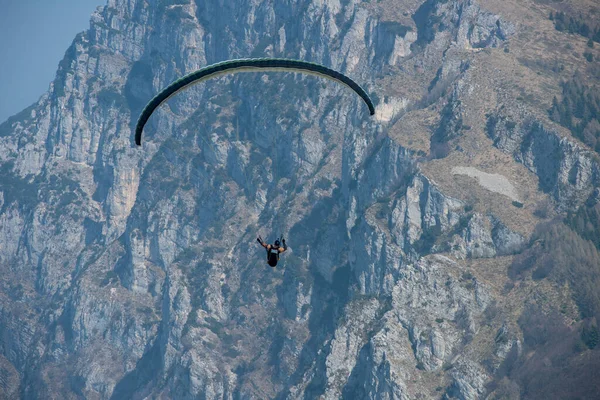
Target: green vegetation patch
[[555, 363], [561, 255], [579, 110], [16, 189], [590, 336], [586, 222], [112, 97], [575, 25]]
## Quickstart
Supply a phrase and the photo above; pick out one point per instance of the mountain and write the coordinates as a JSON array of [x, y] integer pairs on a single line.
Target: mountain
[[445, 248]]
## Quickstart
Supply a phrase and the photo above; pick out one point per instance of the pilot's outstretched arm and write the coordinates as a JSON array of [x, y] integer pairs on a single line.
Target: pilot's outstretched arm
[[259, 240]]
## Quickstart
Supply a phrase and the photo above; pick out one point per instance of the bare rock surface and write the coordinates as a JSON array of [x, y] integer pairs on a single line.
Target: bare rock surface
[[133, 273]]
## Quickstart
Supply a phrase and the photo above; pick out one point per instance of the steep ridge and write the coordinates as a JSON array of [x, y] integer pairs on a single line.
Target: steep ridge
[[131, 273]]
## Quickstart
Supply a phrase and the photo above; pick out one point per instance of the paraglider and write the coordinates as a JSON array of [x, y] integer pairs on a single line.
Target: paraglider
[[273, 250], [246, 65], [250, 65]]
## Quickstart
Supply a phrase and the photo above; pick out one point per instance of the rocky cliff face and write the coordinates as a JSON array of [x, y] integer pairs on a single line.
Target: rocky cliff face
[[133, 273], [566, 170]]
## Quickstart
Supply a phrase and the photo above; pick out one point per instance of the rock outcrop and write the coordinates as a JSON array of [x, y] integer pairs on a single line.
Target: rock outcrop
[[133, 272]]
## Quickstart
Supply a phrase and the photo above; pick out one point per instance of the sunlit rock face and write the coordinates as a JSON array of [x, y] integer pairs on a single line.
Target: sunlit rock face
[[566, 170], [134, 272]]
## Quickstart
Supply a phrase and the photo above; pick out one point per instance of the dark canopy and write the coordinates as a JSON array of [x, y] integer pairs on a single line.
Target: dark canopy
[[246, 65]]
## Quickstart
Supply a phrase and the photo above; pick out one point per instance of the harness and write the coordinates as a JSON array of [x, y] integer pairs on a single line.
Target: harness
[[274, 251], [273, 256]]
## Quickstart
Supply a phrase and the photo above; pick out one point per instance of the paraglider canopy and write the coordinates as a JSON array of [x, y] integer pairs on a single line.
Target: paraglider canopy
[[246, 65]]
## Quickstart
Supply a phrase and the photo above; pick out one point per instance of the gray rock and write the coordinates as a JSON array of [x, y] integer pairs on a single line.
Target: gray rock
[[138, 271], [506, 241], [478, 238], [469, 381], [565, 170]]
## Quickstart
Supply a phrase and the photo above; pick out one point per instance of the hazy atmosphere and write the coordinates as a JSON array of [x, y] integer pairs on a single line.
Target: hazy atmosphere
[[300, 199], [34, 35]]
